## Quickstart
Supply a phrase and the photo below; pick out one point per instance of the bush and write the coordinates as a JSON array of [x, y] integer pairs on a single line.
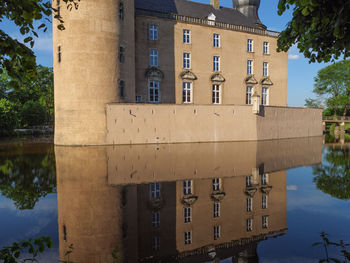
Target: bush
[[8, 116], [33, 113]]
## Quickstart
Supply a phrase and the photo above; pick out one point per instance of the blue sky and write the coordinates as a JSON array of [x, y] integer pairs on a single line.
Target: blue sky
[[301, 73]]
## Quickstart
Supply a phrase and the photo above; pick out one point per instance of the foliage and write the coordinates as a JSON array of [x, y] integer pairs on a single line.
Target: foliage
[[313, 103], [8, 116], [25, 178], [341, 245], [67, 254], [16, 57], [319, 28], [333, 176], [33, 113], [32, 246]]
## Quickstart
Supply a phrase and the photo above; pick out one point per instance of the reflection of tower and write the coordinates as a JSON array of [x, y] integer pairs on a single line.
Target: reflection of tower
[[89, 211], [247, 256]]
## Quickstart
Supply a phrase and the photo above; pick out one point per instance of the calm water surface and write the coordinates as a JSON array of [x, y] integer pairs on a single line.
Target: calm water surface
[[219, 202]]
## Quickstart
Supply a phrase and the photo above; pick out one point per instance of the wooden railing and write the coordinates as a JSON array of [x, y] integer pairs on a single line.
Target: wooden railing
[[207, 22]]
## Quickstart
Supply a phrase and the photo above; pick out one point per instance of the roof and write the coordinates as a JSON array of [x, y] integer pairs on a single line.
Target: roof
[[194, 9]]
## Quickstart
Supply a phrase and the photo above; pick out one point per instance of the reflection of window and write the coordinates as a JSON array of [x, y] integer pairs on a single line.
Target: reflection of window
[[121, 88], [216, 96], [264, 179], [250, 67], [188, 237], [156, 219], [266, 48], [265, 69], [216, 184], [153, 32], [155, 190], [153, 58], [155, 243], [250, 45], [249, 225], [249, 204], [121, 54], [216, 40], [121, 11], [265, 96], [186, 60], [187, 187], [138, 98], [187, 214], [186, 36], [186, 92], [216, 232], [265, 222], [248, 181], [216, 63], [216, 209], [249, 92], [264, 200], [153, 91]]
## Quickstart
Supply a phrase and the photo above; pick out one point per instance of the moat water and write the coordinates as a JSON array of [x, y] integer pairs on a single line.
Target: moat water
[[210, 202]]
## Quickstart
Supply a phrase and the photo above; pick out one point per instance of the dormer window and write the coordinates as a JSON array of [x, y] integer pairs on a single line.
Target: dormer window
[[211, 19]]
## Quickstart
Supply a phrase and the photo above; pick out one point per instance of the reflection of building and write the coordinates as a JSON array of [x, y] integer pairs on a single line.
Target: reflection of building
[[214, 205]]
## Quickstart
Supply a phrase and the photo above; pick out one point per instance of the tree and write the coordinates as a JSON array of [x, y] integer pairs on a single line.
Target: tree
[[333, 83], [8, 116], [320, 28], [313, 103], [16, 57], [33, 113]]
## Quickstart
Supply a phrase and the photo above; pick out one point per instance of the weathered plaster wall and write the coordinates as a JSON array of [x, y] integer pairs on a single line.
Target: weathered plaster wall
[[142, 123]]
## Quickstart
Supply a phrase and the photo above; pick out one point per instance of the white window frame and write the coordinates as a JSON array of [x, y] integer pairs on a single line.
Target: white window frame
[[153, 58], [266, 48], [153, 32], [216, 209], [216, 40], [249, 93], [249, 204], [265, 96], [216, 184], [264, 201], [250, 45], [216, 93], [156, 219], [187, 187], [153, 91], [155, 190], [187, 214], [264, 179], [186, 92], [216, 63], [248, 181], [249, 225], [217, 232], [186, 60], [265, 69], [186, 36], [188, 237], [250, 67], [155, 243], [265, 221]]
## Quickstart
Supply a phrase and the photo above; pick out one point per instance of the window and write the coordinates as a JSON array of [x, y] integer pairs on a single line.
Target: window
[[153, 32], [155, 190], [121, 88], [153, 58], [264, 179], [249, 225], [248, 181], [155, 219], [187, 214], [186, 92], [216, 209], [216, 184], [250, 67], [216, 40], [265, 69], [216, 63], [138, 99], [121, 55], [216, 94], [186, 36], [249, 204], [250, 45], [249, 93], [121, 11], [216, 232], [59, 53], [153, 91], [188, 237], [266, 48], [265, 96], [187, 60], [155, 243], [265, 222], [264, 199], [187, 187]]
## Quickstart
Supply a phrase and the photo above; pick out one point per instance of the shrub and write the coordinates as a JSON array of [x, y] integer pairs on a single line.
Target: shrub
[[33, 113], [8, 116]]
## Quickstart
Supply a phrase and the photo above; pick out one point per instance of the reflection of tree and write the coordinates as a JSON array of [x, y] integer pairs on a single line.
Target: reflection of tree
[[25, 178], [333, 176]]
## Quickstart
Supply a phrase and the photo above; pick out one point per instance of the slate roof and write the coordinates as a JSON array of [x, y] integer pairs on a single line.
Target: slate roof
[[194, 9]]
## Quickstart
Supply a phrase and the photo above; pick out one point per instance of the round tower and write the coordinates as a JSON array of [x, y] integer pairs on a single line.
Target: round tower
[[249, 8], [87, 68]]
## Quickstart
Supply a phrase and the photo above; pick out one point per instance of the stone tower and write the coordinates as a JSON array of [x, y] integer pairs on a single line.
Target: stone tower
[[90, 67], [249, 8]]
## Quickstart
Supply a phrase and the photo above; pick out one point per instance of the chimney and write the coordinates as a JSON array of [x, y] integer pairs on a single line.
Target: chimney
[[215, 3]]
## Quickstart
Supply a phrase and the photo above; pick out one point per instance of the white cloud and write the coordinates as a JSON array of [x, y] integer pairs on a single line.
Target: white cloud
[[292, 188], [293, 56], [43, 43]]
